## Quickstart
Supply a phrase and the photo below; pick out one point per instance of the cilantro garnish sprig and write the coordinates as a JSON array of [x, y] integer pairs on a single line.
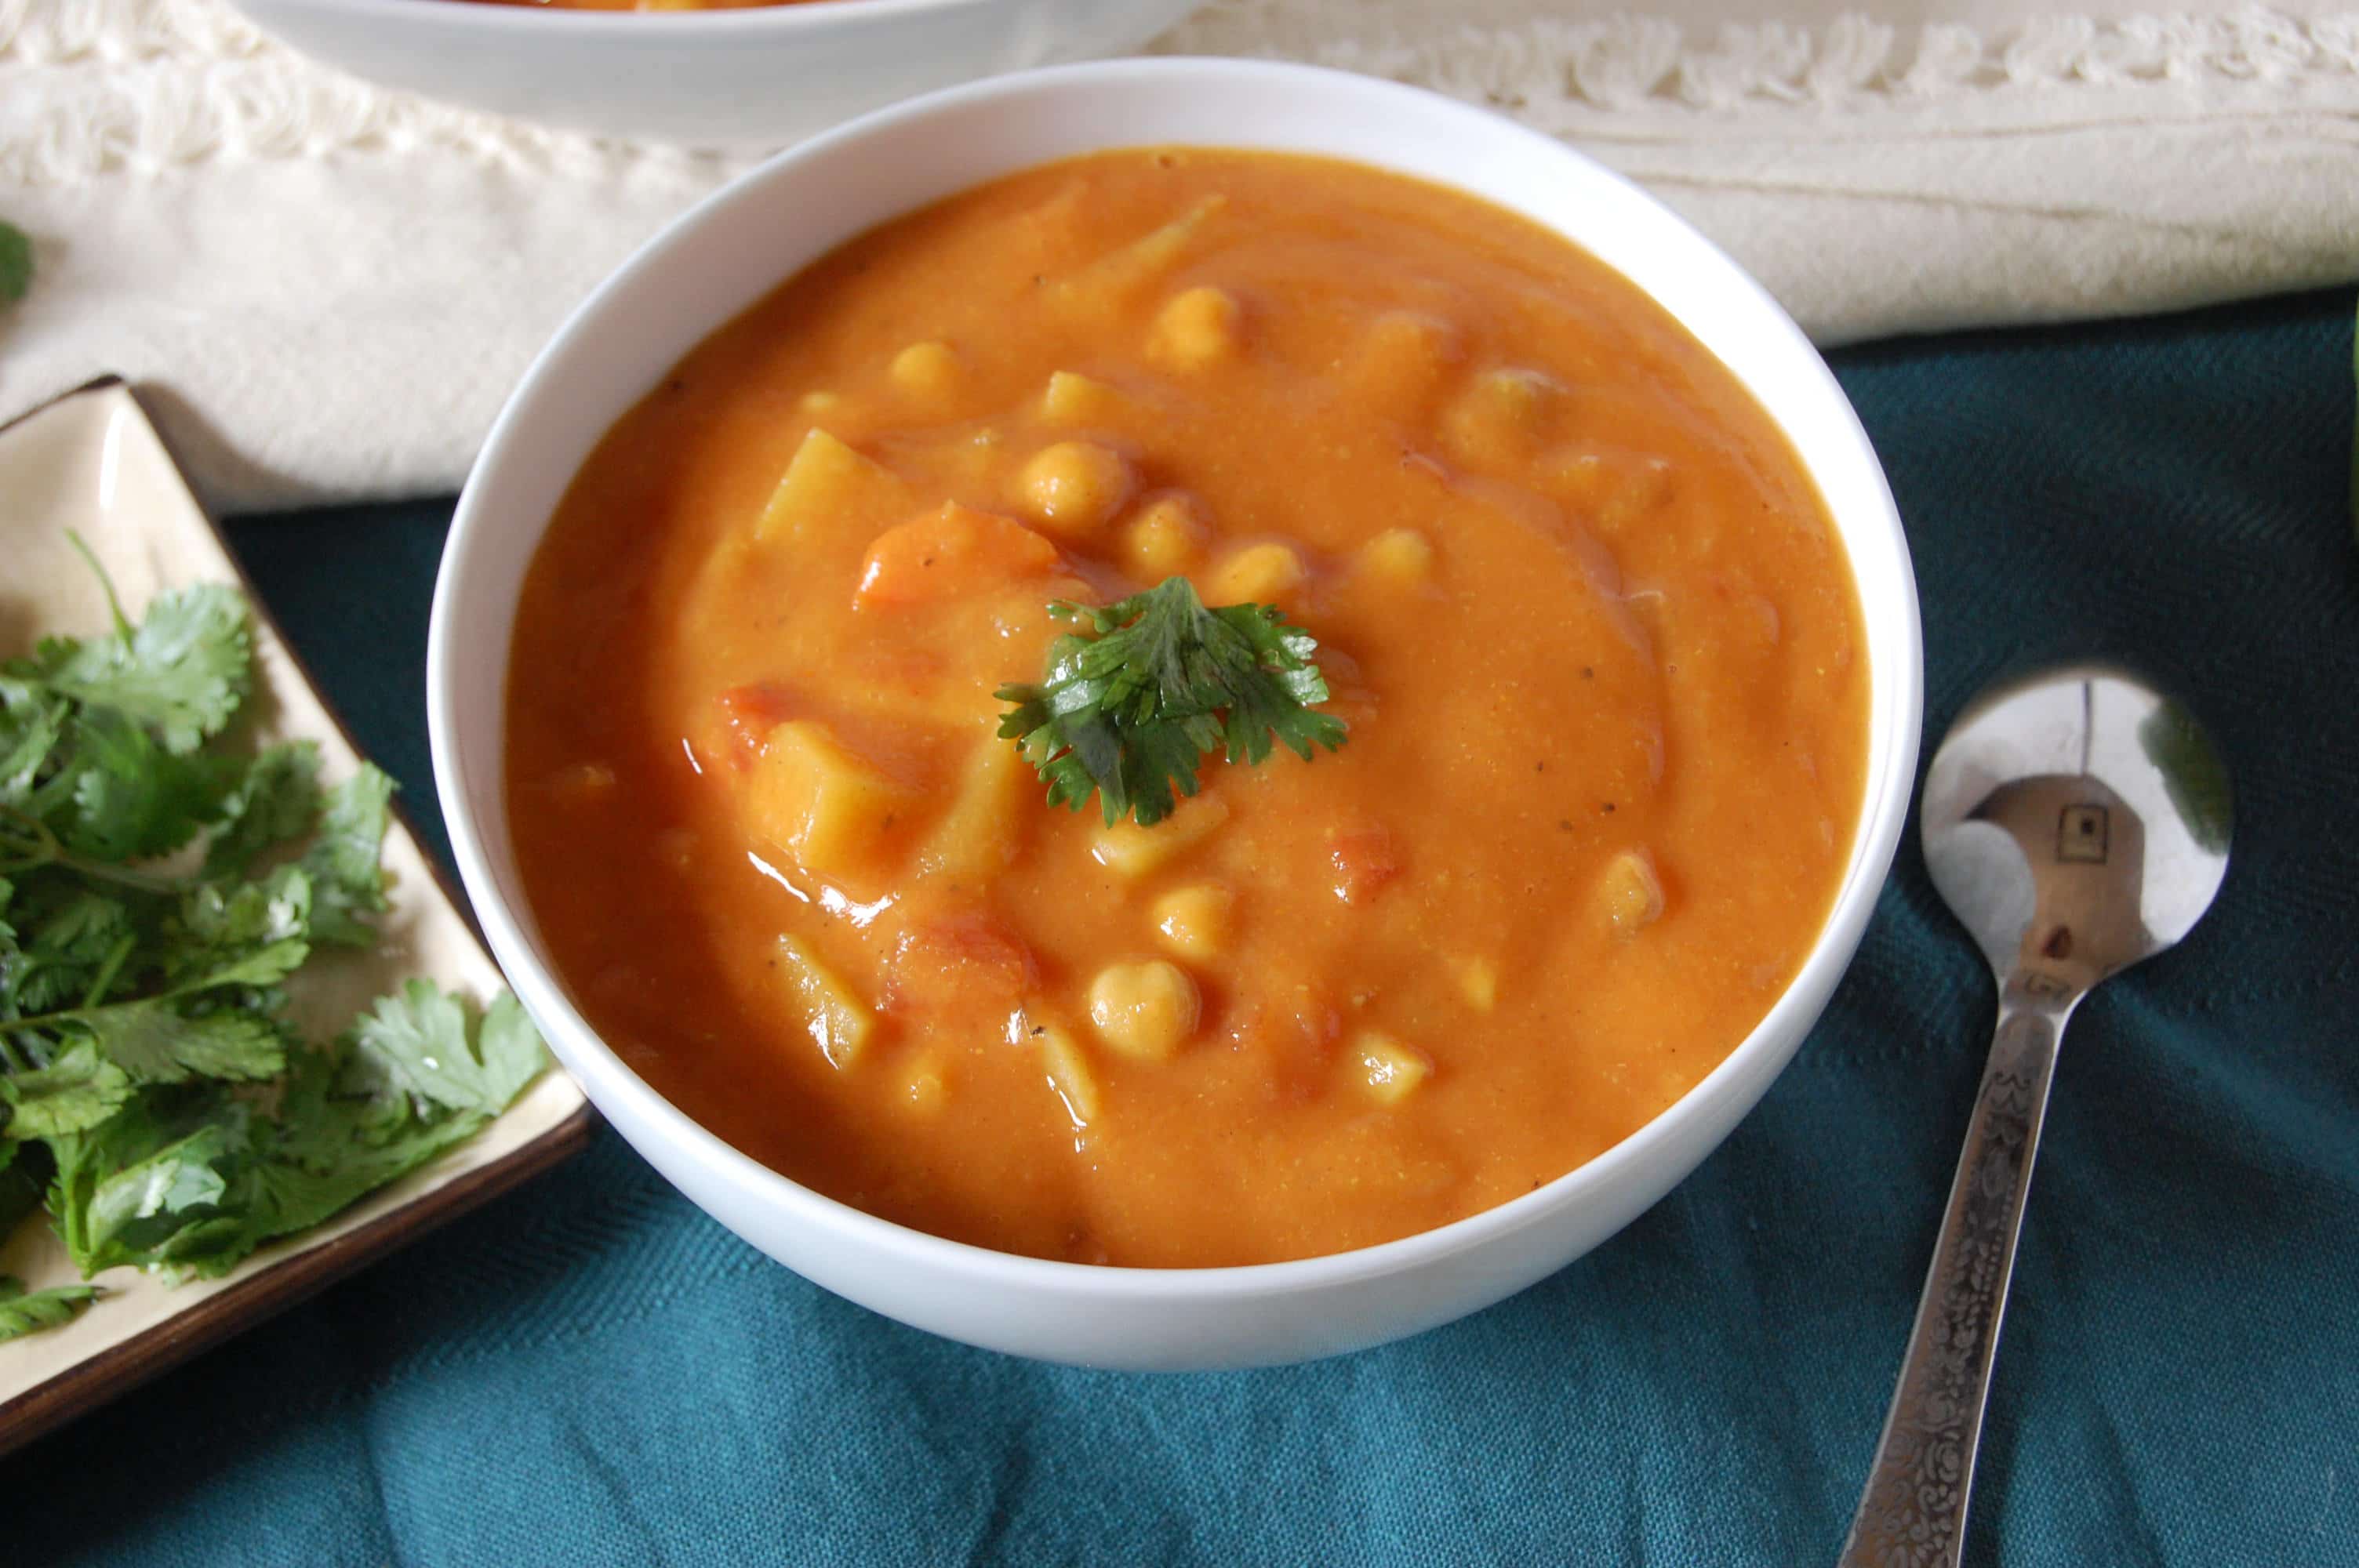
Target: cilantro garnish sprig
[[1127, 710], [157, 893]]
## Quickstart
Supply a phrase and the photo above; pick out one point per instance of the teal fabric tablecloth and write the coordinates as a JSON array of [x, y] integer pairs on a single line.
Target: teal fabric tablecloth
[[590, 1372]]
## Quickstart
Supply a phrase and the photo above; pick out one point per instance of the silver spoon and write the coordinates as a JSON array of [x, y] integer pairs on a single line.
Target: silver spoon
[[2076, 822]]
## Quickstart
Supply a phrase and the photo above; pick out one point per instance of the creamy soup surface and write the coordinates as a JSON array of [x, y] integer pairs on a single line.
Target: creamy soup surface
[[1592, 632]]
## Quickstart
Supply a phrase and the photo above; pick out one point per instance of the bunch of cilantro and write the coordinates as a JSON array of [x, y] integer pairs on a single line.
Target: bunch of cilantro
[[156, 892]]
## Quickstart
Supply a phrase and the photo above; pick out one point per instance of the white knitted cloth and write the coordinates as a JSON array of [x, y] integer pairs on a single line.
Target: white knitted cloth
[[324, 289]]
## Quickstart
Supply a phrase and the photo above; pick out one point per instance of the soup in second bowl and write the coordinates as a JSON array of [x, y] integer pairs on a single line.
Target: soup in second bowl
[[1587, 732]]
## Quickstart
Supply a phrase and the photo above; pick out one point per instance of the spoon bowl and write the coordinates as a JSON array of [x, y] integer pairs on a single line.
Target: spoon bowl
[[2076, 822]]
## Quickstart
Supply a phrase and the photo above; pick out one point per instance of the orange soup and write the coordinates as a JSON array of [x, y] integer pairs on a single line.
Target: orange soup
[[1592, 633]]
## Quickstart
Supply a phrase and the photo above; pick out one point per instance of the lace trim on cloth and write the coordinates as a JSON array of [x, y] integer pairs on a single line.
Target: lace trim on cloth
[[188, 80], [1622, 61]]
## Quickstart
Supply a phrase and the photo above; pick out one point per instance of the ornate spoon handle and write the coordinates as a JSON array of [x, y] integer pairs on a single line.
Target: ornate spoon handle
[[1913, 1512]]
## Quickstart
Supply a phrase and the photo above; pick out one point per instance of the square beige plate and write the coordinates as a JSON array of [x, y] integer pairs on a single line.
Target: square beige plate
[[90, 462]]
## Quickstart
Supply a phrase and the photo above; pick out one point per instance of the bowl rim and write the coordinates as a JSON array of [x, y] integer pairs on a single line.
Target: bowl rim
[[1886, 795], [473, 15]]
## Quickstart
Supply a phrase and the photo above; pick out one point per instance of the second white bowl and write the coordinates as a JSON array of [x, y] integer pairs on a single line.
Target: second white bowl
[[756, 77]]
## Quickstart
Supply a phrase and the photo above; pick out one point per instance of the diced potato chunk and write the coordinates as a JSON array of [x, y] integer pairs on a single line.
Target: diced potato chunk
[[1478, 982], [1257, 574], [830, 487], [1398, 557], [1163, 540], [946, 554], [1613, 485], [838, 1022], [1072, 488], [927, 370], [1404, 359], [583, 783], [1121, 273], [1388, 1070], [1071, 1076], [1630, 892], [1073, 398], [984, 828], [1504, 414], [834, 812], [1130, 851], [925, 1083], [1143, 1010], [1193, 921], [1196, 328], [1645, 489]]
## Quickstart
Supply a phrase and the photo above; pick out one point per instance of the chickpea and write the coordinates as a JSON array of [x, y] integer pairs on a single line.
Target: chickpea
[[1199, 327], [1072, 488], [1399, 557], [1193, 921], [1163, 540], [929, 368], [1630, 892], [1143, 1010], [1256, 574]]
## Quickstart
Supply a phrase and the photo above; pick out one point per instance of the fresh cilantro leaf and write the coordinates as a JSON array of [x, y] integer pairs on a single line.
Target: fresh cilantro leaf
[[180, 673], [157, 1042], [15, 264], [129, 798], [217, 921], [21, 1314], [276, 799], [299, 1189], [67, 939], [432, 1048], [144, 1212], [78, 1090], [1128, 712], [346, 881], [31, 722], [147, 1186]]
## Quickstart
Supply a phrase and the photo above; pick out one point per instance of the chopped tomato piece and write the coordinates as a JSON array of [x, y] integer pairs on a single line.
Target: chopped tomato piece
[[967, 964], [948, 553], [1364, 860], [748, 714]]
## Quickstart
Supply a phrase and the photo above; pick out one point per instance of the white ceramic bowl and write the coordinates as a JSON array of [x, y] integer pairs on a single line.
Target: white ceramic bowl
[[759, 77], [741, 244]]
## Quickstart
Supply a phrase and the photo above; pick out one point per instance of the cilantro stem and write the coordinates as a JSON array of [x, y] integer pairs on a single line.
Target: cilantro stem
[[122, 621], [40, 847], [116, 959]]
